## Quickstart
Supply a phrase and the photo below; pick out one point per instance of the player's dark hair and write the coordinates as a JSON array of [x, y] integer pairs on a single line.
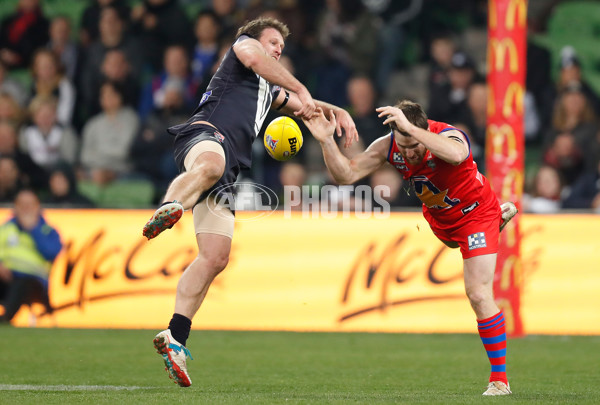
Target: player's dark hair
[[414, 114], [255, 27]]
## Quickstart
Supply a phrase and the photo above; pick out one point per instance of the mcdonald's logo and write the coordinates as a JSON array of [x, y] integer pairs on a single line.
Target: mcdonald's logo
[[512, 185], [498, 49], [511, 273], [491, 102], [492, 14], [497, 137], [514, 96], [516, 7], [509, 319]]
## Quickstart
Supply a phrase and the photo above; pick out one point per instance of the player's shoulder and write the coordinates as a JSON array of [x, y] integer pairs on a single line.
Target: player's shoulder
[[437, 126], [381, 145]]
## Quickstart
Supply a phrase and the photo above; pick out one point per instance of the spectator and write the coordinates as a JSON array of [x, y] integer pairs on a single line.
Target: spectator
[[49, 80], [177, 76], [570, 144], [46, 141], [63, 46], [28, 247], [21, 33], [62, 189], [476, 121], [348, 38], [152, 151], [10, 110], [362, 96], [207, 31], [546, 192], [570, 72], [231, 16], [10, 179], [440, 52], [90, 19], [112, 36], [11, 87], [107, 138], [117, 69], [30, 174], [585, 193], [449, 102], [160, 24]]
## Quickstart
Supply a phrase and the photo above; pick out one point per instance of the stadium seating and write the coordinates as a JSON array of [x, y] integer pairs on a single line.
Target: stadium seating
[[126, 193]]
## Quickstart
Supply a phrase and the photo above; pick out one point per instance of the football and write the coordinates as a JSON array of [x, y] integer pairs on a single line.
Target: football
[[283, 138]]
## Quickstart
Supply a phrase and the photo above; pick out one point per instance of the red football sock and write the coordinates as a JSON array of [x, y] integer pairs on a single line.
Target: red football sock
[[493, 335]]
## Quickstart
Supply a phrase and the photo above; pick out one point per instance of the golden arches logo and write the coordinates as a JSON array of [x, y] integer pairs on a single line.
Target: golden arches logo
[[514, 96], [511, 271], [491, 102], [499, 50], [512, 185], [516, 8], [509, 320], [492, 14], [497, 138]]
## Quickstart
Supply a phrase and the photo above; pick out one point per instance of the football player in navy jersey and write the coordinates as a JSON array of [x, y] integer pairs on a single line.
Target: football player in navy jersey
[[210, 149]]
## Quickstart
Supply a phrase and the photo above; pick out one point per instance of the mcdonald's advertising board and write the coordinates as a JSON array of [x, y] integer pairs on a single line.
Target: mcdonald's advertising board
[[313, 274]]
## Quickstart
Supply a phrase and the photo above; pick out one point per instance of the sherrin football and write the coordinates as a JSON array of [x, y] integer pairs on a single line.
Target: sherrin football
[[283, 138]]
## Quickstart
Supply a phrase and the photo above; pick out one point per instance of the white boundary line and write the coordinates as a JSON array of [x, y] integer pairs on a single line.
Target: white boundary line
[[31, 387]]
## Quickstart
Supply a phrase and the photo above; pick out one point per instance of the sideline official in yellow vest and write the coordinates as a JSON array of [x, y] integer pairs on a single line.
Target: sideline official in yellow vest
[[28, 247]]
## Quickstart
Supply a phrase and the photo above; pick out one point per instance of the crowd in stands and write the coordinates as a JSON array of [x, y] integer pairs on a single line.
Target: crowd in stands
[[85, 99]]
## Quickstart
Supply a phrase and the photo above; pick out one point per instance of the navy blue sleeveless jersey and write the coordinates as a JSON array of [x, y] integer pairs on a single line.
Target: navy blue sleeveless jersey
[[236, 102]]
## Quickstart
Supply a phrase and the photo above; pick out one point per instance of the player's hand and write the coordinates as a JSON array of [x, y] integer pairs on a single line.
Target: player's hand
[[345, 122], [308, 105], [319, 126], [395, 115]]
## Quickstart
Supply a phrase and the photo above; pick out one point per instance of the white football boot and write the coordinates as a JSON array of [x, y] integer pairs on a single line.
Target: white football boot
[[497, 388], [174, 355]]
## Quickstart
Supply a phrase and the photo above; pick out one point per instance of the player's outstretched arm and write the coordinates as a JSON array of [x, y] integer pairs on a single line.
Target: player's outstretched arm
[[251, 53], [288, 103], [344, 170]]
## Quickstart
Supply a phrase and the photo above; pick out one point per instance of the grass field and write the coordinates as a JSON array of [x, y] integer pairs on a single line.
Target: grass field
[[61, 366]]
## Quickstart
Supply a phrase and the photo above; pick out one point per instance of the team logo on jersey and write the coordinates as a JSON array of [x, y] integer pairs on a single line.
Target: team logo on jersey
[[397, 157], [401, 167], [476, 240], [432, 196], [431, 164], [205, 97], [218, 136], [271, 142]]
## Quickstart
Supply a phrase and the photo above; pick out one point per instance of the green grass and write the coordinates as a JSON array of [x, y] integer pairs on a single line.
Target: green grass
[[294, 368]]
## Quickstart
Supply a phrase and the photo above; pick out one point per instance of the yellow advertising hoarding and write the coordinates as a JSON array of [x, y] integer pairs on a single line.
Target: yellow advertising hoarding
[[313, 274]]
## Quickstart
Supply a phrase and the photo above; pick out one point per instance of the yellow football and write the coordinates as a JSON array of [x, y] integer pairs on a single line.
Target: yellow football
[[283, 138]]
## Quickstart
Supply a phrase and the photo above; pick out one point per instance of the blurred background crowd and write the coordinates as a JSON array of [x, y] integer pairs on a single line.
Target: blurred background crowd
[[87, 89]]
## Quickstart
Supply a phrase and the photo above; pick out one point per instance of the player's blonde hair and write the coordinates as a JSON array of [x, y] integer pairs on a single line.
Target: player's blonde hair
[[413, 112], [255, 27]]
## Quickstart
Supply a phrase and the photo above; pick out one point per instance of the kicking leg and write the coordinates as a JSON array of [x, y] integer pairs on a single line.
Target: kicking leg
[[202, 172]]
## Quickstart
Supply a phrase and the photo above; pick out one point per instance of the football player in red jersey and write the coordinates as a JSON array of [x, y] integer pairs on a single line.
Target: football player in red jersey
[[458, 204]]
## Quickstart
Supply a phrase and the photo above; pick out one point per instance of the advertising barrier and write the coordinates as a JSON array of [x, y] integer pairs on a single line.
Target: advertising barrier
[[314, 274]]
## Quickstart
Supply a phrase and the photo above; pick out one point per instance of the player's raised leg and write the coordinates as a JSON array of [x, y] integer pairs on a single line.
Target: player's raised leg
[[479, 277], [207, 161]]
